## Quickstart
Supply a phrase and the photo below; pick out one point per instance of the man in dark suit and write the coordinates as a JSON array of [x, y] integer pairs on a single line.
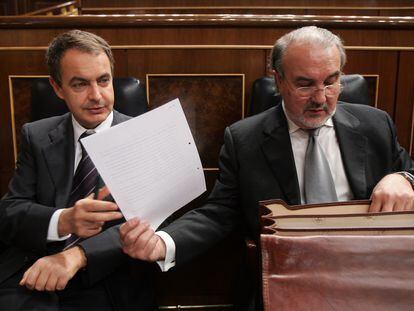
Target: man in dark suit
[[37, 219], [263, 156]]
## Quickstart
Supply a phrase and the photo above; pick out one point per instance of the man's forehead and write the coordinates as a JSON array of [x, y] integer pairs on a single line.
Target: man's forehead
[[84, 64], [74, 56], [308, 50], [308, 60]]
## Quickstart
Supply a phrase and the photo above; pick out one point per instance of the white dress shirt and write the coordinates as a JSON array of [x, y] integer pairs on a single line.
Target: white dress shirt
[[329, 144], [78, 130]]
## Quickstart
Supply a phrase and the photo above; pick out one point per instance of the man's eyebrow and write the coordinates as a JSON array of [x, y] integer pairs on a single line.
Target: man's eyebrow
[[335, 74], [105, 75], [303, 79], [306, 79], [77, 79]]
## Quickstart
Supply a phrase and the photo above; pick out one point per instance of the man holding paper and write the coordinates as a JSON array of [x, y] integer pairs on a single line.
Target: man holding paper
[[353, 152], [55, 251]]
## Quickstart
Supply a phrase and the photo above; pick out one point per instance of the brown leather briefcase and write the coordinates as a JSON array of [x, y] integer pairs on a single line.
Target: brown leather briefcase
[[336, 257]]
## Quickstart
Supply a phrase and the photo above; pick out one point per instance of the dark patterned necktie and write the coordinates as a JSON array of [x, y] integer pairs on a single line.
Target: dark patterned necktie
[[83, 184], [85, 177], [318, 182]]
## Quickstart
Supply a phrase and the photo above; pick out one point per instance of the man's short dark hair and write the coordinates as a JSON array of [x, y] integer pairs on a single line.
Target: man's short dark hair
[[75, 39]]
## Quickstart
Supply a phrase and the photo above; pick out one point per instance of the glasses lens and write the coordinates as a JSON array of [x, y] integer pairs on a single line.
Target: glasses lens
[[333, 89], [305, 91]]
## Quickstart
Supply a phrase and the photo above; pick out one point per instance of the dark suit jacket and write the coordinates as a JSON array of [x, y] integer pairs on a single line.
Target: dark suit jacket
[[40, 185], [256, 163]]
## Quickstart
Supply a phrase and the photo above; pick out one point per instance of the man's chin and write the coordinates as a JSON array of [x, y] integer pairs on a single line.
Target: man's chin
[[94, 120], [314, 120], [311, 123]]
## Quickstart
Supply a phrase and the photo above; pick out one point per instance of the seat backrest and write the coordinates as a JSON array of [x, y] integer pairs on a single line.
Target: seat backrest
[[130, 98], [265, 95]]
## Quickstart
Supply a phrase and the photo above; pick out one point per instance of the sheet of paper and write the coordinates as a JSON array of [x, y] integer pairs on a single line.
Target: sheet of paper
[[149, 163]]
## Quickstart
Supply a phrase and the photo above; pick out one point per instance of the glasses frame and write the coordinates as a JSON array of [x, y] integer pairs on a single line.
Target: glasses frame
[[309, 91]]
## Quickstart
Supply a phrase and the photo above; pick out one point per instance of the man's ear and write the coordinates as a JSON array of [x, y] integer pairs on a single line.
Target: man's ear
[[277, 76], [278, 80], [56, 88]]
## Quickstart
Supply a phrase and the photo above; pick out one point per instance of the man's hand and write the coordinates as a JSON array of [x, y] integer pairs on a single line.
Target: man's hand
[[139, 241], [53, 272], [87, 216], [392, 193]]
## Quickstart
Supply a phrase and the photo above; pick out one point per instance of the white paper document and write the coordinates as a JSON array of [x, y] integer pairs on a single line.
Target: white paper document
[[149, 163]]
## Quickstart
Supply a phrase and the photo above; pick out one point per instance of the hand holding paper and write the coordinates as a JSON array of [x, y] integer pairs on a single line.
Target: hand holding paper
[[140, 242], [149, 163]]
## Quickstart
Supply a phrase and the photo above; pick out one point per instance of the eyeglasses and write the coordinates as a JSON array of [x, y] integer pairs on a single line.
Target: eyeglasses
[[330, 90]]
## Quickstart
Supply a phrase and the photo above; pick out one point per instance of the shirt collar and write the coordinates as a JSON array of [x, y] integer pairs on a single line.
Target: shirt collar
[[293, 127], [78, 129]]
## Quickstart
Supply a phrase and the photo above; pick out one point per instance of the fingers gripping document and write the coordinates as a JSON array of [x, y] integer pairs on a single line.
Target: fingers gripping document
[[149, 163]]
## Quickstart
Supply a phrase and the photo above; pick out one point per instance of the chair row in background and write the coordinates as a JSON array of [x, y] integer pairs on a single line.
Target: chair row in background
[[131, 97]]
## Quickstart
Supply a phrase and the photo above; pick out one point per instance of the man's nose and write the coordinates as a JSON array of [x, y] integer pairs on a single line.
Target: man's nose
[[319, 96], [94, 92]]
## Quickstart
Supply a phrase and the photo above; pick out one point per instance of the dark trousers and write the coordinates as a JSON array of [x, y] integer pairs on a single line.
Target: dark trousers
[[75, 297]]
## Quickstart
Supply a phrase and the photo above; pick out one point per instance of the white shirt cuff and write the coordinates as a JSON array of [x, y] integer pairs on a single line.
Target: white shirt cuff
[[409, 174], [52, 232], [169, 260]]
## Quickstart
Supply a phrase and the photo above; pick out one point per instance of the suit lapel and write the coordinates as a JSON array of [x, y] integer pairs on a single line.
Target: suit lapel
[[352, 145], [277, 149], [59, 156], [119, 118]]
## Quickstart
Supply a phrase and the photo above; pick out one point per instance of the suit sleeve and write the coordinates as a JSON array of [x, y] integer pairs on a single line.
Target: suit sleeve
[[401, 158], [104, 255], [201, 228], [23, 222]]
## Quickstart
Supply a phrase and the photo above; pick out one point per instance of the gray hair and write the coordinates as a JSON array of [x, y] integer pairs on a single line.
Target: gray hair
[[309, 34], [74, 39]]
